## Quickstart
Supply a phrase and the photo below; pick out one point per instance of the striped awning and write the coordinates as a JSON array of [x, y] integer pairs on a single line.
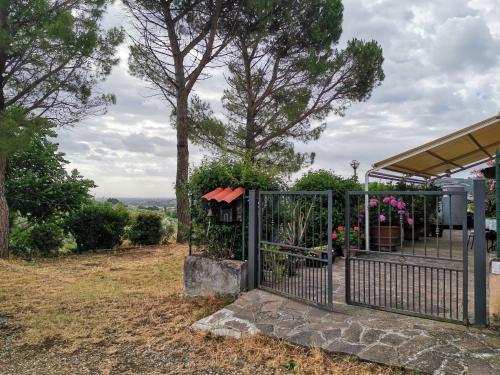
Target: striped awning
[[450, 154]]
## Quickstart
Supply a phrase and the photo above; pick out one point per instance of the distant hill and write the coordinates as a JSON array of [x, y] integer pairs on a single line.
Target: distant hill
[[145, 202]]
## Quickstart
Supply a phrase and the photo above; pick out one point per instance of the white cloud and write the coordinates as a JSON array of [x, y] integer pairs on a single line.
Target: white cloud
[[442, 74]]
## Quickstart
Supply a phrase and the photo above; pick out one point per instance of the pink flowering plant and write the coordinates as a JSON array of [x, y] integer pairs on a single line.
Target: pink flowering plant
[[389, 210], [356, 236]]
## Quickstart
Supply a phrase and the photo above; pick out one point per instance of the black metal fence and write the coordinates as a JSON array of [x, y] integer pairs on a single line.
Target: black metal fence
[[407, 252], [295, 245]]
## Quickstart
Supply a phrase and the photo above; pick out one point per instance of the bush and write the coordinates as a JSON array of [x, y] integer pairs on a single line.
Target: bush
[[147, 229], [46, 238], [98, 225], [223, 240], [321, 180]]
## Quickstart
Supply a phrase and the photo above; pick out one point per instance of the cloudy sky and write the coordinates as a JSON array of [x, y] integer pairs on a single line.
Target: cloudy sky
[[442, 65]]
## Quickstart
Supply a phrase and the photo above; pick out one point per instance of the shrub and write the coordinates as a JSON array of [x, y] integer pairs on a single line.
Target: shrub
[[147, 229], [321, 180], [46, 238], [223, 240], [98, 225]]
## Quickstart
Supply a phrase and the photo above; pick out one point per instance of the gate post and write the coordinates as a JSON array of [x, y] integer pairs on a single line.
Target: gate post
[[330, 248], [253, 247], [480, 273]]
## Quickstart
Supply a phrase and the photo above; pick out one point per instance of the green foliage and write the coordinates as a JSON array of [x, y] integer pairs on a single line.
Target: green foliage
[[38, 185], [147, 229], [223, 240], [46, 238], [321, 180], [98, 225], [20, 236], [54, 53], [286, 75], [17, 129]]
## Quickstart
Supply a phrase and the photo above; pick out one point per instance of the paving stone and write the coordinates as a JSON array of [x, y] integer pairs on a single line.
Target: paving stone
[[393, 339], [429, 361], [332, 334], [451, 366], [340, 346], [479, 366], [414, 346], [353, 333], [370, 336], [472, 344], [308, 338], [380, 353]]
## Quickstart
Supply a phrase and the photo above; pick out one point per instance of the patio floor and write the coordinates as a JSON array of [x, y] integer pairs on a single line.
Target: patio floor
[[391, 339]]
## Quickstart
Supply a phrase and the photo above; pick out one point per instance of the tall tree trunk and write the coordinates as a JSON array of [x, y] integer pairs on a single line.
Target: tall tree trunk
[[4, 211], [181, 191], [4, 208]]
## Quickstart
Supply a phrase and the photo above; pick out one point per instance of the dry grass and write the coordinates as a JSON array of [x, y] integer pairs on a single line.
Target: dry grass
[[120, 305]]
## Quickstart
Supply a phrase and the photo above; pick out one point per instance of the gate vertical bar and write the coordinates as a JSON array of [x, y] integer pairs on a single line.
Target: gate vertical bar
[[347, 251], [465, 265], [479, 253], [253, 246], [330, 250]]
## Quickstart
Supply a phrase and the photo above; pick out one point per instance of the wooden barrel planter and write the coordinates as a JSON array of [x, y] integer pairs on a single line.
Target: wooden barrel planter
[[388, 237]]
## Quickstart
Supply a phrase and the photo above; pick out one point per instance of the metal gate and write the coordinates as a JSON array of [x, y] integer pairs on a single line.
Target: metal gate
[[294, 244], [407, 252]]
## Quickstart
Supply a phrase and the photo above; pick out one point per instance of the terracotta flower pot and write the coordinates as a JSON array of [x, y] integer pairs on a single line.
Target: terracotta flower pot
[[386, 236]]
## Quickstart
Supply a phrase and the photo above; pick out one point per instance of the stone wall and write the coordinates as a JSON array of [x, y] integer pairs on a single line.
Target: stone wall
[[204, 276]]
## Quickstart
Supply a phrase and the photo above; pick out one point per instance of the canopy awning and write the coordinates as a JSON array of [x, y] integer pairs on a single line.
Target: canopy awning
[[450, 154]]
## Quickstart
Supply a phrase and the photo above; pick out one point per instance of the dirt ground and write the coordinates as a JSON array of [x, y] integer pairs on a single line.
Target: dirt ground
[[123, 313]]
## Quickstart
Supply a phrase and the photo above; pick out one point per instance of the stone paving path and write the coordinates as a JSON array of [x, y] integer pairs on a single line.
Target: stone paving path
[[392, 339]]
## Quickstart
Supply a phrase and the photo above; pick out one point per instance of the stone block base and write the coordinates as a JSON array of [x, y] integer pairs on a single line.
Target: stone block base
[[204, 276]]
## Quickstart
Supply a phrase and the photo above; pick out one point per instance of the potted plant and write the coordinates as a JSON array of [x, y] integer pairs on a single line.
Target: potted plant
[[391, 216], [356, 240]]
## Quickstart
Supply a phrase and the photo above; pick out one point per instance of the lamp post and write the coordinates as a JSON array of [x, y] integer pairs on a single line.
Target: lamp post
[[355, 165]]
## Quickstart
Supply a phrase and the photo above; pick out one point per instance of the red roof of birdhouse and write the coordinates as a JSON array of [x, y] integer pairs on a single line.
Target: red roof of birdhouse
[[221, 194]]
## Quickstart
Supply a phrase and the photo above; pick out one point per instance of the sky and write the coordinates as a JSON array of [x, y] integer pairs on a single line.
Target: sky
[[442, 66]]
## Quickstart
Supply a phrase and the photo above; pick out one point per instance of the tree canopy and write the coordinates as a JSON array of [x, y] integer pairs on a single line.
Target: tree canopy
[[38, 185], [285, 76]]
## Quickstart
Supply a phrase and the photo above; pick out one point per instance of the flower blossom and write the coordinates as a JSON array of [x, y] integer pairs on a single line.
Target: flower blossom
[[381, 218], [356, 229]]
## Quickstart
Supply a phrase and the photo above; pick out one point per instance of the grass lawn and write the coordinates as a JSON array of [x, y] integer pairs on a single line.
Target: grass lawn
[[123, 312]]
